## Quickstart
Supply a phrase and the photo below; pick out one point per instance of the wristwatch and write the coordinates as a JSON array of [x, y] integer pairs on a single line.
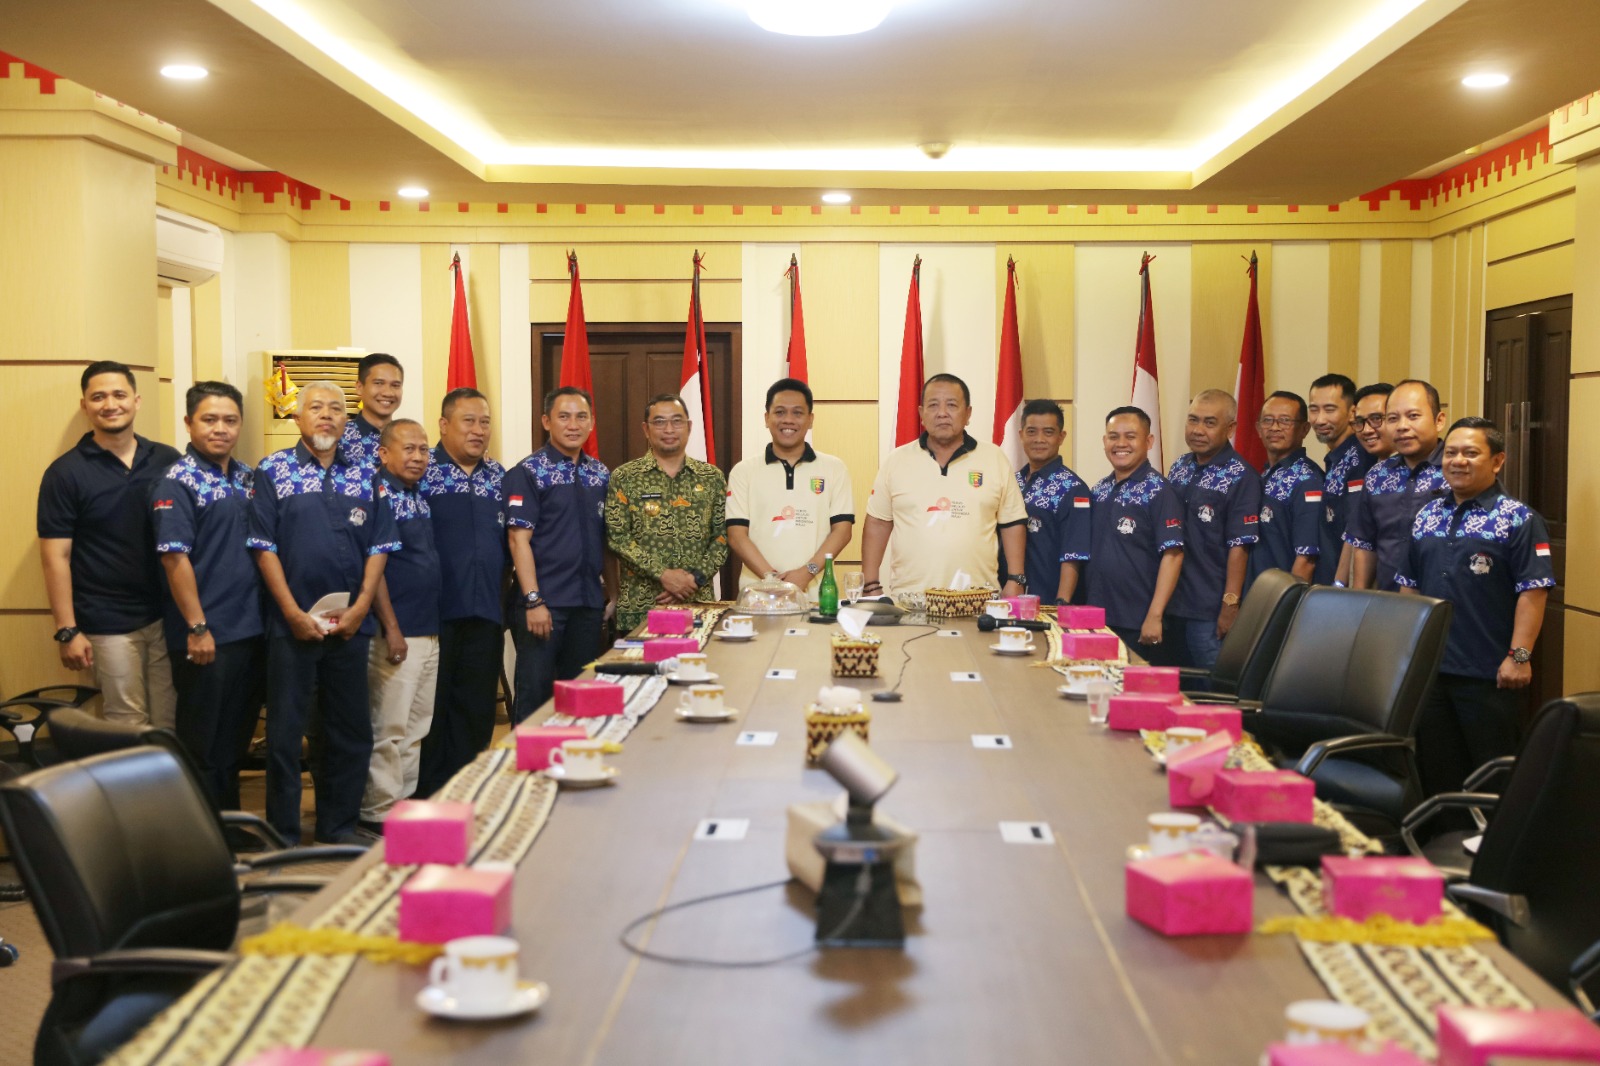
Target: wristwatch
[[65, 634], [199, 629], [532, 599], [1021, 579], [1230, 599], [813, 569], [1520, 655]]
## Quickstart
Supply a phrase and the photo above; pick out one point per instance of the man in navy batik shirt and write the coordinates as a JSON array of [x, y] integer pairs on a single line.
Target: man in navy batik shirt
[[380, 384], [1394, 490], [1291, 492], [1058, 506], [1332, 413]]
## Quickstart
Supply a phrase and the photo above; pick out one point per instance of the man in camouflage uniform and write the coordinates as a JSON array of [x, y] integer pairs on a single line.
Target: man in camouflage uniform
[[664, 518]]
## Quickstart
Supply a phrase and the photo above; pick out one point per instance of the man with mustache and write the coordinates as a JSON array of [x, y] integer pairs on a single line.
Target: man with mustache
[[1394, 490]]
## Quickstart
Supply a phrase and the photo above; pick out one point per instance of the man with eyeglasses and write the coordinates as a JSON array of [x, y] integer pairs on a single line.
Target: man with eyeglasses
[[1370, 403], [1394, 490], [1333, 420], [665, 518], [1291, 492], [1221, 496]]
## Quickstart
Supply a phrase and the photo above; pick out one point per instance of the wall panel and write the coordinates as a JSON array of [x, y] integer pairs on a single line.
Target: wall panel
[[1533, 276], [319, 294], [764, 312], [1221, 288], [841, 309], [1394, 311], [1045, 314], [1344, 307], [849, 431], [386, 309]]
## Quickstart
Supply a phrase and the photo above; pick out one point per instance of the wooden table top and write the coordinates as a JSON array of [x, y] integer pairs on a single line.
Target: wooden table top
[[1021, 953]]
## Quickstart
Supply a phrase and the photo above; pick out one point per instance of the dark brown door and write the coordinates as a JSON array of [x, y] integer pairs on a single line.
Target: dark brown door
[[1528, 360], [631, 363]]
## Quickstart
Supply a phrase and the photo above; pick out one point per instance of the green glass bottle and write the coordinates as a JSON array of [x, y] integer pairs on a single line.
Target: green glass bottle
[[828, 590]]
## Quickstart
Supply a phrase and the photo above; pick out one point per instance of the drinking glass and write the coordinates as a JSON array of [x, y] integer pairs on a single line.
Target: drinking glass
[[854, 582], [1099, 700]]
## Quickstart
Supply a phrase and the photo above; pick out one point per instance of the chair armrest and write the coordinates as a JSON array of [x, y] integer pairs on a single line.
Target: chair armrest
[[255, 826], [1508, 905], [138, 960], [1444, 801], [1584, 967], [1356, 742], [7, 715], [1250, 706], [1202, 696], [1475, 781], [80, 694], [39, 704], [291, 856], [258, 886]]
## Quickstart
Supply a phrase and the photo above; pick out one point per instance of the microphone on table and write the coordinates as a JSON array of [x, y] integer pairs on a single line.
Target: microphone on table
[[988, 622]]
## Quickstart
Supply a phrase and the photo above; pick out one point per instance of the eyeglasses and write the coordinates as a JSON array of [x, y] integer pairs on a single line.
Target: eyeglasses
[[1371, 421], [668, 423], [1281, 421]]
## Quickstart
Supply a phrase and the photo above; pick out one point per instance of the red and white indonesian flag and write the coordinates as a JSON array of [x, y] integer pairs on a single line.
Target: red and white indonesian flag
[[1250, 387], [696, 381], [1146, 387], [1008, 396]]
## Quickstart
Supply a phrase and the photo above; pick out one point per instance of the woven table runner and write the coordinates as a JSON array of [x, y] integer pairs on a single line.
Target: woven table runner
[[262, 1002], [1059, 663]]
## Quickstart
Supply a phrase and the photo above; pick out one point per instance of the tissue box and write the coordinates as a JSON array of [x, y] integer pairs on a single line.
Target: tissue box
[[1192, 772], [314, 1056], [1147, 710], [1090, 645], [1212, 717], [535, 741], [1081, 617], [669, 621], [823, 727], [588, 698], [1150, 679], [441, 903], [855, 656], [1263, 796], [1469, 1036], [668, 647], [1407, 889], [1338, 1055], [957, 603], [1190, 894], [420, 831]]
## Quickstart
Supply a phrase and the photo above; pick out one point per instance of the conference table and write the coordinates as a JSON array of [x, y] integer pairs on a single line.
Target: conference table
[[1021, 952]]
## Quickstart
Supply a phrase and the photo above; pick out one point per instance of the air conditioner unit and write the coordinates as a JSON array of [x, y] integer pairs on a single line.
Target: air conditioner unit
[[290, 370], [188, 251]]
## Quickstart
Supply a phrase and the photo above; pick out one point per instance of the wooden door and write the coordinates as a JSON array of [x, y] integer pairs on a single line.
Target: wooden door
[[1527, 367]]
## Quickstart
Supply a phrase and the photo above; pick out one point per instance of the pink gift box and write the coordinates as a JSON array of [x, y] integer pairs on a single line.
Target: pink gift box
[[441, 903], [669, 621], [588, 698], [1192, 772], [1212, 717], [1406, 889], [1190, 894], [1338, 1055], [535, 741], [668, 647], [1025, 607], [1145, 710], [1263, 796], [313, 1056], [1469, 1036], [423, 831], [1090, 645], [1150, 679], [1081, 617]]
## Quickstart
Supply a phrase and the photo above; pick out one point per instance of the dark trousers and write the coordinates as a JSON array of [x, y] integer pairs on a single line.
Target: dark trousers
[[574, 642], [218, 706], [471, 652], [1465, 722], [1172, 651], [333, 673]]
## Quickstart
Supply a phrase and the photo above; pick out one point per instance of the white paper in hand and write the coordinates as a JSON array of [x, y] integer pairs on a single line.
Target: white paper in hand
[[853, 620], [326, 609]]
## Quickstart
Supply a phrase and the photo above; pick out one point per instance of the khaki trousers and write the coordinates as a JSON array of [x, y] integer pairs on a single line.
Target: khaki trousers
[[134, 677], [402, 713]]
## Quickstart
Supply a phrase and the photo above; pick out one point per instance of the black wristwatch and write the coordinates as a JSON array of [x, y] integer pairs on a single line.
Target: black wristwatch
[[65, 634], [699, 578], [1021, 579], [532, 599], [1520, 655], [199, 629]]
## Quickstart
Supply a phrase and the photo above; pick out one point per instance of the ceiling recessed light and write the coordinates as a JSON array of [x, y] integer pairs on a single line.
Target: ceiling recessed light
[[818, 18], [183, 72], [835, 197], [1486, 81], [413, 192]]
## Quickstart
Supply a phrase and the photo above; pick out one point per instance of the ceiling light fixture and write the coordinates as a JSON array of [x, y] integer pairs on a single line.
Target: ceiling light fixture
[[413, 192], [835, 197], [1486, 81], [818, 18], [183, 72]]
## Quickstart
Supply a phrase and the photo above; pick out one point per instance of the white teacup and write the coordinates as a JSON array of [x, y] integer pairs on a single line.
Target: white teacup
[[1180, 737], [1080, 675], [692, 665], [739, 625], [1325, 1021], [997, 609], [704, 700], [1169, 832], [580, 759], [477, 970], [1015, 639]]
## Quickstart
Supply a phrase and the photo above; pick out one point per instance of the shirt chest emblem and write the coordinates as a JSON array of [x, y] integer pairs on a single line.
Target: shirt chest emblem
[[943, 510], [1125, 526], [1207, 513], [783, 520], [817, 485], [358, 516], [1480, 563], [975, 479], [1034, 525], [1266, 513], [1328, 514]]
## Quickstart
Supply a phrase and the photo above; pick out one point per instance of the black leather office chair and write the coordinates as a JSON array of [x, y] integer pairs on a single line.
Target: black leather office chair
[[23, 716], [133, 886], [1251, 646], [1535, 875], [1342, 702]]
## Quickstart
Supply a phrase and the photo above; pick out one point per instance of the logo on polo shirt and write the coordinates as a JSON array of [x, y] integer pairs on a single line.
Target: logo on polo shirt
[[941, 511], [818, 484], [1034, 525], [975, 478], [1249, 519], [515, 501], [1125, 526], [1480, 564], [782, 520], [1328, 512], [1266, 513], [1207, 513], [1080, 501], [166, 505], [358, 517], [1541, 549]]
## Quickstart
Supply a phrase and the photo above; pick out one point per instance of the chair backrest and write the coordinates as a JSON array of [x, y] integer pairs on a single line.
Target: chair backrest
[[1361, 658], [121, 851], [1251, 646], [78, 735], [1540, 843]]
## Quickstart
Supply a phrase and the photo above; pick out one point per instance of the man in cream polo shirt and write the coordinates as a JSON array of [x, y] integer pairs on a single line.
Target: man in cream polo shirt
[[793, 505], [946, 499]]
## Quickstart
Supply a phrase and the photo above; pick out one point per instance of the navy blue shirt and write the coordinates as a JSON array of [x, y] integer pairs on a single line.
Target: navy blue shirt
[[322, 524], [1058, 506], [89, 496], [1348, 464], [412, 573], [1221, 510], [1291, 513], [1480, 555], [360, 442], [563, 502], [469, 529], [1381, 515], [1131, 523], [205, 514]]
